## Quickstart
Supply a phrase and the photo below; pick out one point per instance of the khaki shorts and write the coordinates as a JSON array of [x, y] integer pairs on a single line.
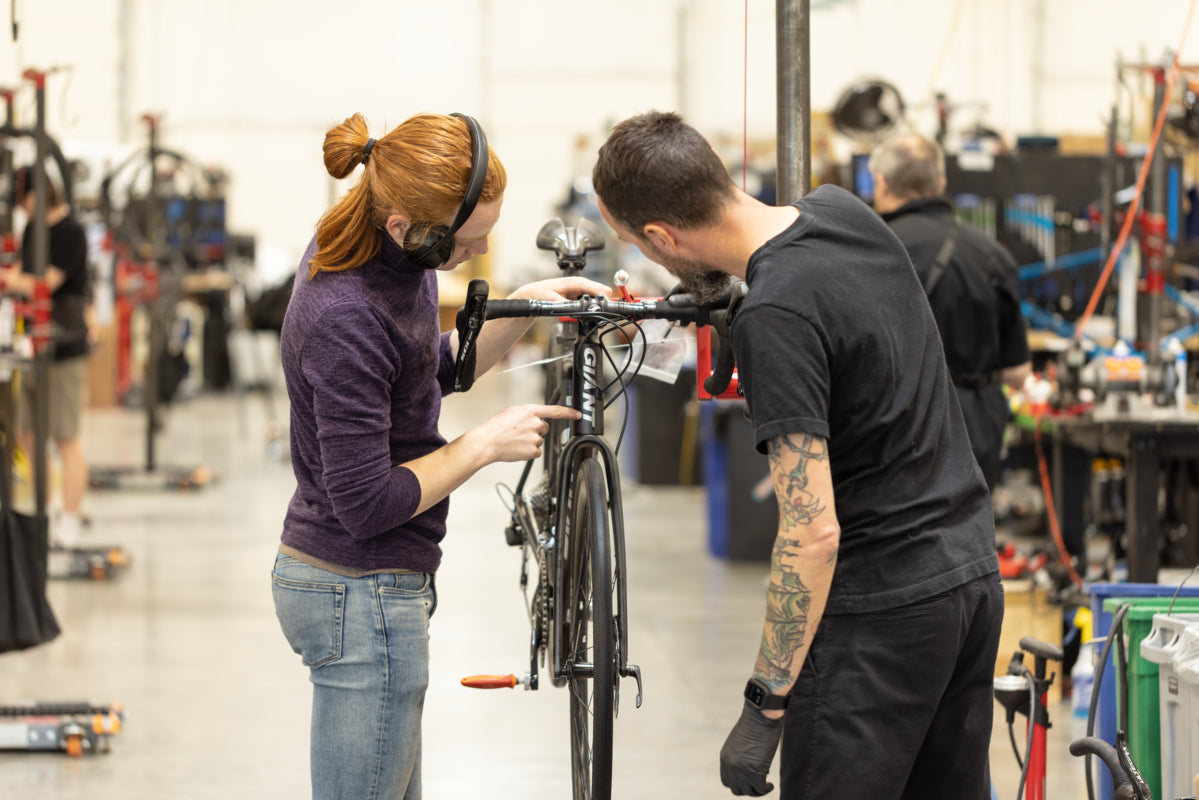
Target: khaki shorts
[[67, 379]]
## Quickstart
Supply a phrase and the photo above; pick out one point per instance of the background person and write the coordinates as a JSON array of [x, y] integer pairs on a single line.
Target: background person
[[884, 605], [366, 368], [972, 285], [69, 280]]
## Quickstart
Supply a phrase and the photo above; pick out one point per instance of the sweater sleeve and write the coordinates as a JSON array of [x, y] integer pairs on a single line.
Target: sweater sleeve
[[351, 364], [445, 366]]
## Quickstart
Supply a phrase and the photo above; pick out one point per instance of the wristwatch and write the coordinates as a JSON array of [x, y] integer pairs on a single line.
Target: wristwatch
[[759, 696]]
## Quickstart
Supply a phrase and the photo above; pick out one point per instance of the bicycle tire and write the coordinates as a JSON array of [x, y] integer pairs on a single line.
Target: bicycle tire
[[591, 633]]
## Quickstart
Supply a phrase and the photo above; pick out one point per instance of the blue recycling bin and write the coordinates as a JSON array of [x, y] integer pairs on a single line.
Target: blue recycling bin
[[1105, 722]]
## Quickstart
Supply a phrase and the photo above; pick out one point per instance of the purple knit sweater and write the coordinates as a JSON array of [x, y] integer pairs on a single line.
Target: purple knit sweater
[[366, 367]]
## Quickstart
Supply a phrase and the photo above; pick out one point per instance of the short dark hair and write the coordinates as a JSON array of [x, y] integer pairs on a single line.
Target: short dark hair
[[655, 166]]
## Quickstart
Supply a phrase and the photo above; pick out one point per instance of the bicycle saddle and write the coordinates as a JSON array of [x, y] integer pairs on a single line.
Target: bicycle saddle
[[570, 243]]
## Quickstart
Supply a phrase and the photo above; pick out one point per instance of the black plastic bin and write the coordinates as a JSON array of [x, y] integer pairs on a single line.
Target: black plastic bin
[[742, 510]]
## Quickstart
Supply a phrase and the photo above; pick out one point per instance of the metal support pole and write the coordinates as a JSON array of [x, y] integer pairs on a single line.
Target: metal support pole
[[41, 254], [794, 106], [1154, 229], [1107, 188], [154, 236]]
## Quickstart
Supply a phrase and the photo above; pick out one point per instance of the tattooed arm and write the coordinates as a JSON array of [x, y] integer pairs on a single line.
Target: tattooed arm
[[801, 565]]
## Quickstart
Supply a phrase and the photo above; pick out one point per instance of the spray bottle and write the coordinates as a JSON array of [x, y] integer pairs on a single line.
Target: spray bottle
[[1175, 348], [1082, 675]]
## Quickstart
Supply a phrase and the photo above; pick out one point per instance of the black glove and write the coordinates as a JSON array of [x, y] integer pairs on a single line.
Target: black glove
[[747, 753]]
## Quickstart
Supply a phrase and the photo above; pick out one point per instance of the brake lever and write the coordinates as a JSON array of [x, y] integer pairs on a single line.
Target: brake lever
[[470, 321], [1140, 789]]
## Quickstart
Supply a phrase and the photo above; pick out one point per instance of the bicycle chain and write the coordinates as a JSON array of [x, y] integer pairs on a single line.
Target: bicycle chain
[[539, 500]]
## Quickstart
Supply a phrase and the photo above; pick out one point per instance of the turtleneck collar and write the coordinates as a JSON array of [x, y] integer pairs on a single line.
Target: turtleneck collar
[[393, 257]]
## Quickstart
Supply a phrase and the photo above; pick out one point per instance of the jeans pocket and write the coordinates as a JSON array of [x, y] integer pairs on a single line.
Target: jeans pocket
[[412, 586], [311, 615]]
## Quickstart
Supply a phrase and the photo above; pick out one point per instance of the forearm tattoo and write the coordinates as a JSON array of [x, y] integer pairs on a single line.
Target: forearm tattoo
[[788, 599]]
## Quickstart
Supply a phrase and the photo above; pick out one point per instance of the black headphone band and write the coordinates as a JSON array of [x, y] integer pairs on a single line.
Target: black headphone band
[[474, 186]]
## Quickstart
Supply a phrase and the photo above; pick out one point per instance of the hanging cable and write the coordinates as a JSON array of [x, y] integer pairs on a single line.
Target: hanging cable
[[1050, 508], [745, 105]]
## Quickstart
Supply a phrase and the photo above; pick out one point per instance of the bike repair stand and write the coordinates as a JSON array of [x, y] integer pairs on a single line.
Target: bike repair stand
[[1024, 692], [76, 727], [141, 284], [73, 727], [95, 562]]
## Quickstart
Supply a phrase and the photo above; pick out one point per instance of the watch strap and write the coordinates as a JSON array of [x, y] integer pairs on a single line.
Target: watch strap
[[758, 695]]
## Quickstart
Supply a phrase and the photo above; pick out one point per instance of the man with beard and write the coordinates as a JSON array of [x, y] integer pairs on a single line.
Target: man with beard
[[884, 605]]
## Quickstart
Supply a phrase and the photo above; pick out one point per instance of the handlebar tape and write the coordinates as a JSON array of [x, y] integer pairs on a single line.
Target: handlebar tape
[[722, 329], [1094, 746], [469, 323], [722, 373]]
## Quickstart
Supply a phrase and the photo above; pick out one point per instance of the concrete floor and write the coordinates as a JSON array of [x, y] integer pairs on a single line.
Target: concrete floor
[[217, 705]]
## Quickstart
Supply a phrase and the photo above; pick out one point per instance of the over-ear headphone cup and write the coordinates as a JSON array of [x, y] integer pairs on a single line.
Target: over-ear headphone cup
[[438, 247], [436, 250]]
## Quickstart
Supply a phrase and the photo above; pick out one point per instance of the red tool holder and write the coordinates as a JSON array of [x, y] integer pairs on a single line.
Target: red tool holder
[[8, 249], [36, 309], [1153, 252], [137, 284]]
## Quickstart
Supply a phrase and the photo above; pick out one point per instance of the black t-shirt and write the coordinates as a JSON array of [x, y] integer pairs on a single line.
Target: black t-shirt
[[836, 339], [976, 303], [68, 252]]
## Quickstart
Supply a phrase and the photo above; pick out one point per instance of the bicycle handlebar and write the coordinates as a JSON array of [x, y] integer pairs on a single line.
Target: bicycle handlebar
[[1126, 786], [678, 307]]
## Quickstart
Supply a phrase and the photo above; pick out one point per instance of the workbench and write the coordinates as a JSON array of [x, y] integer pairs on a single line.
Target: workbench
[[1146, 443]]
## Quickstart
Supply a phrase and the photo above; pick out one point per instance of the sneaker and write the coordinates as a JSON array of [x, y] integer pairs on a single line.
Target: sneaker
[[66, 531]]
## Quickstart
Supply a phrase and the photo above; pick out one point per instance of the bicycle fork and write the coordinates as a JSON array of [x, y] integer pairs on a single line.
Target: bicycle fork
[[574, 452]]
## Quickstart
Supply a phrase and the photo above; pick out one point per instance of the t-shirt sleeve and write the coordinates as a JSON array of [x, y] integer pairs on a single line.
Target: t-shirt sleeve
[[783, 361], [351, 366]]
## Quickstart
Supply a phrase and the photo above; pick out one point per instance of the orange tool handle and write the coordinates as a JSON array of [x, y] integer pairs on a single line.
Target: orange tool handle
[[491, 681]]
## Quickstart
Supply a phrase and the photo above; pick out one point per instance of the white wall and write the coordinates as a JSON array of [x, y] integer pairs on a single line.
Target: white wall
[[252, 85]]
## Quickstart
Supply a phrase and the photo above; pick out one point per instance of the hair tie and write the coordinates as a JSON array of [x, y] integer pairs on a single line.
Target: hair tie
[[366, 150]]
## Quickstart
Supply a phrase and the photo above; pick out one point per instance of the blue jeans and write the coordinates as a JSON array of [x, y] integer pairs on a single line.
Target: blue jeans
[[366, 644]]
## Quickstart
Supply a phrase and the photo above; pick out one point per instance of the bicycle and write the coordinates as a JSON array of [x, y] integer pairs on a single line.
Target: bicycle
[[1024, 691], [571, 525]]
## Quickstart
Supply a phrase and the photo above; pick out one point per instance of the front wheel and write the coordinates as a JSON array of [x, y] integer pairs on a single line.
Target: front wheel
[[591, 633]]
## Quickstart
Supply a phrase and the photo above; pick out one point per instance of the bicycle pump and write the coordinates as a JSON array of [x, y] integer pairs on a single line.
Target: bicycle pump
[[1024, 692]]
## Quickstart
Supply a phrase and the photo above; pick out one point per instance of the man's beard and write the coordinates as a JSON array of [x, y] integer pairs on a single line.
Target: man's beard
[[703, 282], [705, 285]]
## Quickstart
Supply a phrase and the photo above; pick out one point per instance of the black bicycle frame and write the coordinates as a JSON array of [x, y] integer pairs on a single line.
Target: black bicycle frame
[[587, 397]]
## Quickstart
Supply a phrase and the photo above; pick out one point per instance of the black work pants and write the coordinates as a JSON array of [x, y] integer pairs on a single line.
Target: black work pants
[[897, 703]]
